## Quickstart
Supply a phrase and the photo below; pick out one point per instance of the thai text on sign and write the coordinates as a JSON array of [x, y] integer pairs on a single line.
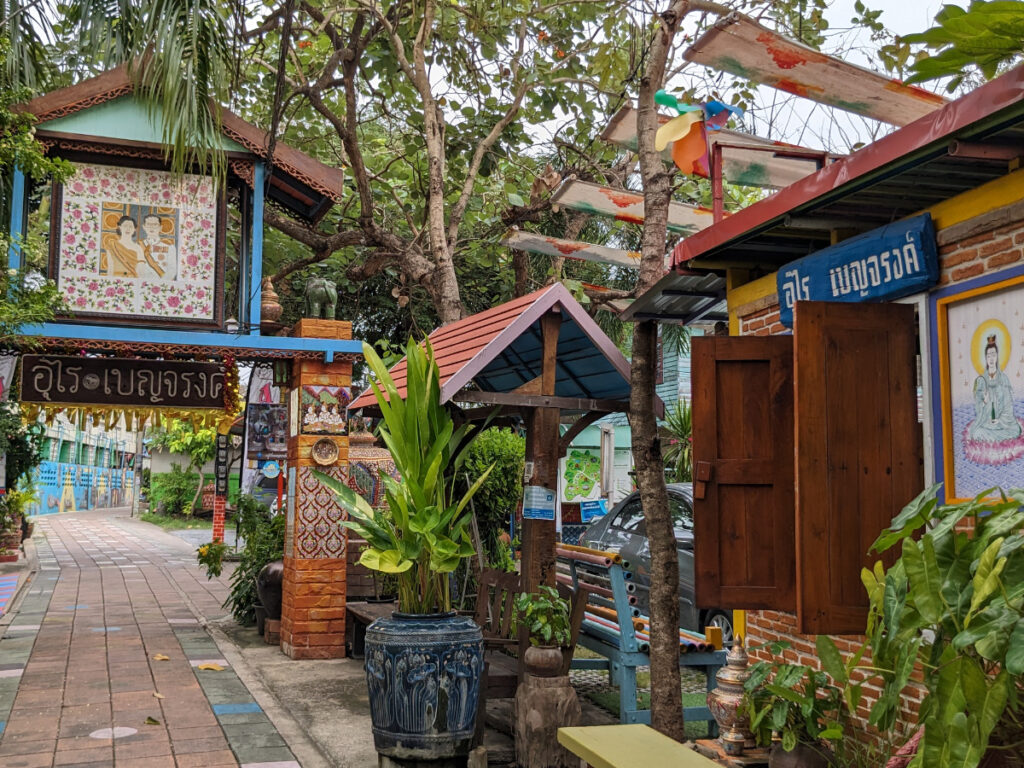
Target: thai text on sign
[[885, 263], [116, 381]]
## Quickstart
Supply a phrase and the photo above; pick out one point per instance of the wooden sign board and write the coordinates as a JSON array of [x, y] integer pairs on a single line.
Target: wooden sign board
[[118, 382]]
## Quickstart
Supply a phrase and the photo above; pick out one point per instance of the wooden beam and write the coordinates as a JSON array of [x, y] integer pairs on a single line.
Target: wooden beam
[[739, 45], [570, 249], [627, 206], [514, 399]]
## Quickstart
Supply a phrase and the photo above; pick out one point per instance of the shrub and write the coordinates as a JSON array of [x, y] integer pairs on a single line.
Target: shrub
[[264, 543], [498, 497], [174, 490]]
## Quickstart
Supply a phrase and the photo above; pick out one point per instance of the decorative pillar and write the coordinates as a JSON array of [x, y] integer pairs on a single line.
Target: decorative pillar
[[220, 498], [313, 591]]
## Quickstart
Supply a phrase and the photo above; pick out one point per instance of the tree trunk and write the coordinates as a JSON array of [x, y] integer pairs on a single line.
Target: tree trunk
[[666, 698]]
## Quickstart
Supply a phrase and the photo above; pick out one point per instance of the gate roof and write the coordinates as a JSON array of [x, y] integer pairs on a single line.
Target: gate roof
[[501, 349]]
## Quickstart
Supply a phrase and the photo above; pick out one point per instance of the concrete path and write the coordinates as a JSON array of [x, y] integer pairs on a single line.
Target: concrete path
[[82, 678]]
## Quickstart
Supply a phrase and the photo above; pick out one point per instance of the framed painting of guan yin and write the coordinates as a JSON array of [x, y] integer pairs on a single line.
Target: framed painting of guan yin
[[139, 246], [981, 375]]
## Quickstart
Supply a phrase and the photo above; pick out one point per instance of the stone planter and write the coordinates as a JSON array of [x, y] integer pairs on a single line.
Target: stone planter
[[423, 675], [543, 660]]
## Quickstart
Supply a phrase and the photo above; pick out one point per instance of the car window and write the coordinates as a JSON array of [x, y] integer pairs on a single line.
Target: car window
[[630, 517], [682, 515]]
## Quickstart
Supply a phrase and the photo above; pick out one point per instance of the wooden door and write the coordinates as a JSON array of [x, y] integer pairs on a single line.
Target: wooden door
[[743, 478], [859, 450]]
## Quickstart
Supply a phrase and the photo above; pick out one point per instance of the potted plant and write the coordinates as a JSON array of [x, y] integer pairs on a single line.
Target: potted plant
[[545, 615], [952, 606], [794, 709], [423, 664], [10, 524]]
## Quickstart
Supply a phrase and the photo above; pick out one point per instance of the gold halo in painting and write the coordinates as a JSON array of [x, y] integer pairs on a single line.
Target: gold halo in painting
[[991, 327], [324, 452]]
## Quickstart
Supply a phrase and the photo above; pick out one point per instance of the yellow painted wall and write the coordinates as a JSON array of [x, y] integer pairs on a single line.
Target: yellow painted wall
[[975, 202]]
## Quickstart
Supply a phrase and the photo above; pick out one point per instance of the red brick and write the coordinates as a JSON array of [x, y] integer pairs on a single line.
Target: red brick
[[997, 246], [964, 273], [960, 257], [1002, 259]]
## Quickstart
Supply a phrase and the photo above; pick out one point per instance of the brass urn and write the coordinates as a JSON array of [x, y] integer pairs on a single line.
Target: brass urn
[[726, 702]]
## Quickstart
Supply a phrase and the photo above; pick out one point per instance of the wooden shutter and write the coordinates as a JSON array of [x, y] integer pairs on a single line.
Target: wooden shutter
[[743, 480], [859, 450]]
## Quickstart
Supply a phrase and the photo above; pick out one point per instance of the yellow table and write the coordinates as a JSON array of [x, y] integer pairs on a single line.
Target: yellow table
[[629, 746]]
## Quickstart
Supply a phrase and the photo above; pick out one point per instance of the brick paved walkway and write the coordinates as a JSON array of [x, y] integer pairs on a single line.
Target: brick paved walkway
[[77, 667]]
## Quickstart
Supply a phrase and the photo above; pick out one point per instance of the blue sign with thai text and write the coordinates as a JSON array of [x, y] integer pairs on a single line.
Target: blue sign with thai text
[[892, 261], [591, 510]]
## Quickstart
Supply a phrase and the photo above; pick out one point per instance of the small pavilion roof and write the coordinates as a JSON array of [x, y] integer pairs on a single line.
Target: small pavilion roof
[[302, 184], [501, 349]]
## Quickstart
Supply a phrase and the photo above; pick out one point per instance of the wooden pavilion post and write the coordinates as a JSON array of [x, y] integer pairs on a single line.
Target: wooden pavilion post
[[538, 564]]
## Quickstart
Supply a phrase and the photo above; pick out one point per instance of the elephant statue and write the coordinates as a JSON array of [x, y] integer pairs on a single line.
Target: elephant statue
[[321, 297]]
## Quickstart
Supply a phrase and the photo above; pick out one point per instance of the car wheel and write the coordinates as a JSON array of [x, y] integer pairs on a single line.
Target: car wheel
[[723, 620]]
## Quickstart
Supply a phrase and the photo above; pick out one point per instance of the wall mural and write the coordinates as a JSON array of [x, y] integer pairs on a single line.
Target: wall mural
[[323, 410], [983, 388], [138, 243]]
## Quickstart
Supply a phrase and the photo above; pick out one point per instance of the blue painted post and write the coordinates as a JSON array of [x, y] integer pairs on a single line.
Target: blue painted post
[[17, 228], [256, 250]]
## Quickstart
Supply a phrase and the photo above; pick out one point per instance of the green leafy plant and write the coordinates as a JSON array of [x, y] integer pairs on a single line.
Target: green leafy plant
[[424, 533], [988, 36], [545, 615], [199, 445], [174, 490], [264, 543], [678, 443], [792, 702], [953, 603], [211, 557], [496, 500]]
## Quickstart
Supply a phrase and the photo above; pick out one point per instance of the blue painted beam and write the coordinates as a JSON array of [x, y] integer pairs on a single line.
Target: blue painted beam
[[213, 340], [17, 224], [256, 249]]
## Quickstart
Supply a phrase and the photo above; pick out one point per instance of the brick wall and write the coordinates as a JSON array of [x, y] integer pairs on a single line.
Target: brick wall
[[966, 251]]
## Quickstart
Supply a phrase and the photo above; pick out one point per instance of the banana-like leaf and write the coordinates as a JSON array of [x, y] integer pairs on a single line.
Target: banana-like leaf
[[388, 561]]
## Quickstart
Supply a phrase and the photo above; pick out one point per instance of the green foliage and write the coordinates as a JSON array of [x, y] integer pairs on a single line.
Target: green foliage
[[794, 701], [182, 438], [264, 543], [987, 36], [952, 602], [545, 616], [174, 490], [211, 557], [498, 497], [677, 443], [424, 534], [21, 442]]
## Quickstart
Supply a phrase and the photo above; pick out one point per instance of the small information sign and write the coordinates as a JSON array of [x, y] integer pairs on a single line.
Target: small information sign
[[538, 503], [591, 510]]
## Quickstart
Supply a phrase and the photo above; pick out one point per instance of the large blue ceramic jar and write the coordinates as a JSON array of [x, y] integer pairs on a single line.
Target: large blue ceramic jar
[[423, 674]]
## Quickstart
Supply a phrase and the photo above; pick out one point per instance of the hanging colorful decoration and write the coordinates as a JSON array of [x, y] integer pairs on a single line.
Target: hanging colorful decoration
[[233, 405], [687, 132]]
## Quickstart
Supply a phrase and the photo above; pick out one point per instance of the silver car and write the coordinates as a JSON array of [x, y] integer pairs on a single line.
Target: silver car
[[624, 530]]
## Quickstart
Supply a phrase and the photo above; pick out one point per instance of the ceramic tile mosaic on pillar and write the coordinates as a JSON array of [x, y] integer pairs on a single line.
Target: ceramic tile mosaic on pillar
[[318, 514]]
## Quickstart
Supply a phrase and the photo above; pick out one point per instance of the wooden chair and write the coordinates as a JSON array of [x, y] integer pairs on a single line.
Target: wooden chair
[[495, 610]]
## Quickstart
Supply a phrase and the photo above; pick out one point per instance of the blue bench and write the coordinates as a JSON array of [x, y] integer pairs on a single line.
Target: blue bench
[[611, 632]]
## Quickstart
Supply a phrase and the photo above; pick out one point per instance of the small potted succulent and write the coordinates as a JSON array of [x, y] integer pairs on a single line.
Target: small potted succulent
[[545, 615]]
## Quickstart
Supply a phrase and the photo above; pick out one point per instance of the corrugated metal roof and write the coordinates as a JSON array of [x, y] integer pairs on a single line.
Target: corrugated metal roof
[[500, 349], [682, 296], [901, 174]]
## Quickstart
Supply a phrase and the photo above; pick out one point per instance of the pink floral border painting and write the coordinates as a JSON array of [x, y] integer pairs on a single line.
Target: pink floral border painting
[[139, 243]]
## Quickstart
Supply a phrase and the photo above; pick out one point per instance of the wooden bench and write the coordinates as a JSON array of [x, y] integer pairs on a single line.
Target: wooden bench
[[610, 629], [359, 616], [628, 746]]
